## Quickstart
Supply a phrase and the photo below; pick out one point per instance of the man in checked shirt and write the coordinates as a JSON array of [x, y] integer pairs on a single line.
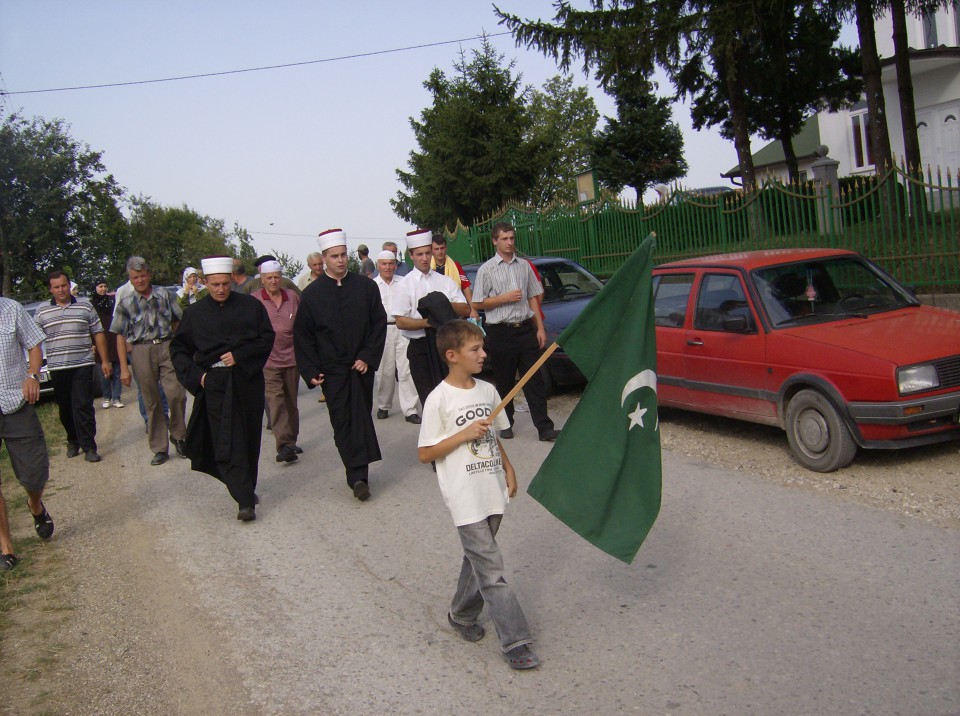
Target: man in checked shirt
[[20, 428], [146, 320]]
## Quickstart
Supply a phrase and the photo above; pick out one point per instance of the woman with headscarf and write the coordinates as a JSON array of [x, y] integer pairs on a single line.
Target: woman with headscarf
[[103, 304], [191, 289]]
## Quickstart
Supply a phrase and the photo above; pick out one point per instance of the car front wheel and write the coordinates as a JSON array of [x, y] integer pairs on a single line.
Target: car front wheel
[[819, 438]]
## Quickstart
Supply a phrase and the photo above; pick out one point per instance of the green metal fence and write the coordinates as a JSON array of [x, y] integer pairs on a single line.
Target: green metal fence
[[908, 224]]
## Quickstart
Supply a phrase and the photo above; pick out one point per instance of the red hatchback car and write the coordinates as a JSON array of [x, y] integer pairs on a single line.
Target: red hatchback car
[[819, 342]]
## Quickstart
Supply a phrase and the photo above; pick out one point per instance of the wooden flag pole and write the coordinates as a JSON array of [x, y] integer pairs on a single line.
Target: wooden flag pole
[[523, 381]]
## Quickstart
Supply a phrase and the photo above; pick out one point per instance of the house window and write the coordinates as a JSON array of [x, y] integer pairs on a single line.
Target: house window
[[862, 151], [929, 21]]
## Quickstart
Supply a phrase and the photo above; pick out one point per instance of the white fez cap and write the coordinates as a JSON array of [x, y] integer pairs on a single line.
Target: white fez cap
[[330, 238], [271, 267], [216, 264], [386, 256], [418, 238]]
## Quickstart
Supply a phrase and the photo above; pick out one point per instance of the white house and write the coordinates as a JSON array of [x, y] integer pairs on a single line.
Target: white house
[[935, 66]]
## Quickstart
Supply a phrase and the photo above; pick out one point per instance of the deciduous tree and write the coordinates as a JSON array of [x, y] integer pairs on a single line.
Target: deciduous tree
[[289, 266], [563, 121], [172, 238], [58, 206]]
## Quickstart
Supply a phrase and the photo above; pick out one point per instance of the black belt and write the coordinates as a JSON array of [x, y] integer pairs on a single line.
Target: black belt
[[153, 341], [391, 323], [521, 324]]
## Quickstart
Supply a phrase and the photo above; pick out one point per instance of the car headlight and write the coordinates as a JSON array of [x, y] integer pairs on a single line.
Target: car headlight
[[917, 378]]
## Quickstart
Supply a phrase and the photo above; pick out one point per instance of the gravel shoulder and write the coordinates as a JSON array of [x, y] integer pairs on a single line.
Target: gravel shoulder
[[923, 483]]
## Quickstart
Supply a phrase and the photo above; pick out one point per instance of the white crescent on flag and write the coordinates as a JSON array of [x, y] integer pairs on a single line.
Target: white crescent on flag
[[643, 379]]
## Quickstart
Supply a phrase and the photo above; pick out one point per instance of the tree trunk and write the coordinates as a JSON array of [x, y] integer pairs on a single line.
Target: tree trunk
[[873, 88], [741, 132], [908, 113], [741, 141], [789, 155]]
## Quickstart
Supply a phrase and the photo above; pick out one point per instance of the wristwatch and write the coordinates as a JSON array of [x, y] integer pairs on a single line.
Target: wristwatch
[[35, 376]]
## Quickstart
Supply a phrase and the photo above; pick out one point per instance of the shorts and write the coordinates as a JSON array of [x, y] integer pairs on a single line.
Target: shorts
[[23, 435]]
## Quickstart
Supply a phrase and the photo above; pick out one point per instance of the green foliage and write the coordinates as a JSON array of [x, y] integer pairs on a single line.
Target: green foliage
[[172, 238], [642, 146], [290, 267], [475, 149], [241, 242], [58, 207], [704, 45], [563, 121], [788, 68]]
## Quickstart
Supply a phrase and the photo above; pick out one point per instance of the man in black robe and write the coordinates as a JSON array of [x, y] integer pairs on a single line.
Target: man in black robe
[[338, 339], [219, 351]]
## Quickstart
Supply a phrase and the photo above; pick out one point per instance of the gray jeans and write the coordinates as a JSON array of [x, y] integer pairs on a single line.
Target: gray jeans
[[482, 581]]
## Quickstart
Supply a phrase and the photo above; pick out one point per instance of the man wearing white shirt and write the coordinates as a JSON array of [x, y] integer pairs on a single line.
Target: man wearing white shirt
[[394, 366], [426, 368]]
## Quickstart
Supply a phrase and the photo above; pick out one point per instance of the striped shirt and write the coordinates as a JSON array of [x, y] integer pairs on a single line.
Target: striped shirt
[[17, 335], [497, 276], [143, 318], [68, 330]]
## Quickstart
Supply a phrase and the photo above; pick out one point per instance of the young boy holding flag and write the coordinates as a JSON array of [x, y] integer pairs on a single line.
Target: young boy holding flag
[[476, 480]]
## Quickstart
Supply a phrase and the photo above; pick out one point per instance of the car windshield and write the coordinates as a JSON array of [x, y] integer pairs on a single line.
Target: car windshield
[[827, 289], [563, 280]]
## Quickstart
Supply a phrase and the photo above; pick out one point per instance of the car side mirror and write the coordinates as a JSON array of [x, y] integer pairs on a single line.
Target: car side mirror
[[736, 324]]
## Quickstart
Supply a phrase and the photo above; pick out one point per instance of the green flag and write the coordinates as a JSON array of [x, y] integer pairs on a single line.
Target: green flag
[[602, 478]]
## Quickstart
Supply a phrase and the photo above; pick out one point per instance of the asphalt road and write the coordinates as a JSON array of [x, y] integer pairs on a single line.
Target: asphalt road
[[747, 597]]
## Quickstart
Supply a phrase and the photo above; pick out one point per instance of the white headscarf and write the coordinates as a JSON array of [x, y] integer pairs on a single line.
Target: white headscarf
[[182, 291]]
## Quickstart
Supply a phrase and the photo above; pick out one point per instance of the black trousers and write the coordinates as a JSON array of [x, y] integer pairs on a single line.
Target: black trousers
[[73, 390], [513, 350], [426, 367]]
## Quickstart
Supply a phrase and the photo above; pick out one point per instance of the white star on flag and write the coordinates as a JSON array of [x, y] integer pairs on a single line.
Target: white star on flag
[[636, 417]]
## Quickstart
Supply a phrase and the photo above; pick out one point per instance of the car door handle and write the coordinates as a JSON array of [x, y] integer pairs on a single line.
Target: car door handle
[[694, 342]]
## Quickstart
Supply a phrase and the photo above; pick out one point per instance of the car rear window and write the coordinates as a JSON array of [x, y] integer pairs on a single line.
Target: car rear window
[[671, 295]]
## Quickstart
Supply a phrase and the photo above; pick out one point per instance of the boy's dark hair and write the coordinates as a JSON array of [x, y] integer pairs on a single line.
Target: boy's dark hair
[[57, 273], [499, 228], [453, 334], [440, 239]]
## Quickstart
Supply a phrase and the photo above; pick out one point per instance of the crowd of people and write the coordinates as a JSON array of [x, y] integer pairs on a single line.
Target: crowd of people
[[240, 345]]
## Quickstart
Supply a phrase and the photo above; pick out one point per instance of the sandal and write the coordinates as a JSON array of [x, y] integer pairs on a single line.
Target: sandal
[[7, 562], [470, 632], [43, 523], [520, 657]]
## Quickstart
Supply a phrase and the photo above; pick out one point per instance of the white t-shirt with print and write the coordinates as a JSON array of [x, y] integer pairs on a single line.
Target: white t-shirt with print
[[472, 479]]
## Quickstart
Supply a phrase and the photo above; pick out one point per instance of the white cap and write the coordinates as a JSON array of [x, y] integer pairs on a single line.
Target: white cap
[[270, 267], [418, 238], [216, 264], [386, 256], [330, 238]]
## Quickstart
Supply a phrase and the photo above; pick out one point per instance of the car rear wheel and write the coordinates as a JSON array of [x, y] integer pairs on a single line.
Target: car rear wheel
[[819, 438]]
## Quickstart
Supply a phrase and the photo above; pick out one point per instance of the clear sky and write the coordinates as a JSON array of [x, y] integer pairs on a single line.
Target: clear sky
[[288, 152]]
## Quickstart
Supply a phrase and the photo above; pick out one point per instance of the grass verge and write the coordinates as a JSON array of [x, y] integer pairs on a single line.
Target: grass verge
[[34, 596]]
